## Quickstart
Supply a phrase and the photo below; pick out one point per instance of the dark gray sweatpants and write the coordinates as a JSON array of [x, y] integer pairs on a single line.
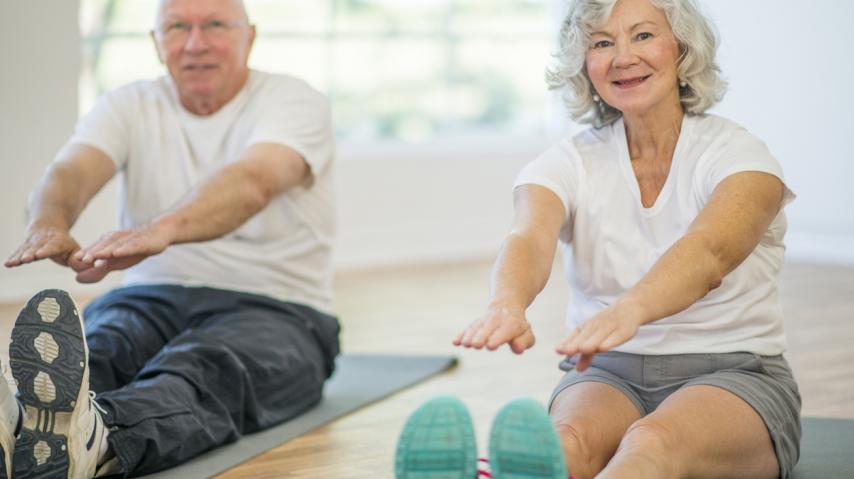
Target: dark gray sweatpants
[[182, 370]]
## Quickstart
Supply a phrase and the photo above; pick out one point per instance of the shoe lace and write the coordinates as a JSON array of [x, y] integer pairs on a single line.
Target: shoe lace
[[483, 471], [487, 474], [93, 402]]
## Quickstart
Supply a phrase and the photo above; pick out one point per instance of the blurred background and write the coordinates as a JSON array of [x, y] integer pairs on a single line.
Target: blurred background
[[437, 105]]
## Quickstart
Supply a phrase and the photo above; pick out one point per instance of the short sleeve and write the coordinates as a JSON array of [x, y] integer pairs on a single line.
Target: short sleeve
[[555, 169], [299, 117], [740, 152], [106, 128]]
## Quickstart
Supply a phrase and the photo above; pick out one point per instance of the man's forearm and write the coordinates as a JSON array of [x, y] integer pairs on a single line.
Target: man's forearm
[[56, 200], [215, 208], [233, 195], [77, 174]]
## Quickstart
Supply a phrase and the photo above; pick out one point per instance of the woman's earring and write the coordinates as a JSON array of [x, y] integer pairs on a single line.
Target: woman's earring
[[683, 83], [596, 98]]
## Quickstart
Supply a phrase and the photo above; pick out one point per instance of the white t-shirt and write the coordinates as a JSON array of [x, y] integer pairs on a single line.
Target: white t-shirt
[[611, 241], [162, 151]]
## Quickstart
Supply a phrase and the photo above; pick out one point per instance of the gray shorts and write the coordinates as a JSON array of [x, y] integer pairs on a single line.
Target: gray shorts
[[764, 382]]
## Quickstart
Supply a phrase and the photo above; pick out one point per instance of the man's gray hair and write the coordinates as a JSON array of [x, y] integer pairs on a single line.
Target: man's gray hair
[[696, 67]]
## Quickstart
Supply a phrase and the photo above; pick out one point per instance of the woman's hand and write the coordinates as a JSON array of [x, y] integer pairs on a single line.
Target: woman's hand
[[501, 324], [608, 329]]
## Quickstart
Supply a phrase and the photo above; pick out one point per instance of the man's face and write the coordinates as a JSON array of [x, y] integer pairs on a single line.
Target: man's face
[[205, 45]]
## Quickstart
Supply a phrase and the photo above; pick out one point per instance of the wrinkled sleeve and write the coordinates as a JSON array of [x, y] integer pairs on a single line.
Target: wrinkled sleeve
[[106, 127], [740, 152], [557, 170], [298, 117]]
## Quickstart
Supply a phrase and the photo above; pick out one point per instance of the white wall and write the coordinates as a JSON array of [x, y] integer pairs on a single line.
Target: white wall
[[790, 68], [40, 61], [789, 64]]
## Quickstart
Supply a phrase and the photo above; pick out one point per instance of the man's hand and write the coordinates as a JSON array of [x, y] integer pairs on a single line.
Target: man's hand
[[44, 241], [119, 250], [92, 273], [610, 328], [500, 325]]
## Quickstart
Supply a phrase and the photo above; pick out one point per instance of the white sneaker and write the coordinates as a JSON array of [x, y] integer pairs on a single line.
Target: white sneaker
[[10, 412], [62, 430]]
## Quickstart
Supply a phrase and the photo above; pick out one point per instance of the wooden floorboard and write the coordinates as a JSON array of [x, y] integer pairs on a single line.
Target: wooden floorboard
[[418, 310]]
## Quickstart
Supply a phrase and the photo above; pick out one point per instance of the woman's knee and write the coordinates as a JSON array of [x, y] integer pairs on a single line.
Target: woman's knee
[[651, 434], [584, 457]]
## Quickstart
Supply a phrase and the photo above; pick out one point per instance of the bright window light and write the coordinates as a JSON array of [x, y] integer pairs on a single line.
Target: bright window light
[[395, 70]]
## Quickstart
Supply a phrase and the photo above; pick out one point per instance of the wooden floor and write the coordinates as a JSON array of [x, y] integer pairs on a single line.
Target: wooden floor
[[418, 310]]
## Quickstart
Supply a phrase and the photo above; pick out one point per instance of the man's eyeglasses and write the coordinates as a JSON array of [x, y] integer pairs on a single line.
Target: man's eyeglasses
[[180, 31]]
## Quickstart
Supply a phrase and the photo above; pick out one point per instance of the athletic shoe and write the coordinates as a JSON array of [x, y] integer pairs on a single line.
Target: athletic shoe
[[523, 443], [10, 410], [437, 442], [62, 430]]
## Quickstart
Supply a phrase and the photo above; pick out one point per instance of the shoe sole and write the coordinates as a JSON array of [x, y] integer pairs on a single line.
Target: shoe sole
[[437, 442], [48, 358], [524, 445]]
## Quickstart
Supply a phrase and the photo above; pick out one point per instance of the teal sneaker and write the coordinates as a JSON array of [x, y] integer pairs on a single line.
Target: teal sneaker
[[437, 442], [523, 443]]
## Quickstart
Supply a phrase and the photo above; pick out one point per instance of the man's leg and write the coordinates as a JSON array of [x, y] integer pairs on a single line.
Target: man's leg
[[699, 431], [251, 363], [128, 326]]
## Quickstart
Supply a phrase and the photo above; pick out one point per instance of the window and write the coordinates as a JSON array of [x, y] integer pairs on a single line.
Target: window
[[411, 70]]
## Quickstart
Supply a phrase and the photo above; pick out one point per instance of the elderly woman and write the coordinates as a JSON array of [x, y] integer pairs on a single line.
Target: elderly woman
[[672, 222]]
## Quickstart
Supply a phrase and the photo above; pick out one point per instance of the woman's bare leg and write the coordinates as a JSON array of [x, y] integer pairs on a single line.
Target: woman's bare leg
[[591, 418], [699, 431]]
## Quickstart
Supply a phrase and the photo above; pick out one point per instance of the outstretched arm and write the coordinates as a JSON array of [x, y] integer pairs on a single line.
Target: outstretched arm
[[520, 272], [78, 173], [724, 233], [217, 206]]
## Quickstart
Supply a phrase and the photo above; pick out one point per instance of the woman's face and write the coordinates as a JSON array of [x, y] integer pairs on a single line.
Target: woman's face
[[632, 58]]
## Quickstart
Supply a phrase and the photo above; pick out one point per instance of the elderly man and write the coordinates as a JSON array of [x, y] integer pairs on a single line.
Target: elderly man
[[222, 326]]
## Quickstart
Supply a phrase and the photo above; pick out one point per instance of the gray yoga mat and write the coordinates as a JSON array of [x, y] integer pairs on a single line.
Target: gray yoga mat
[[359, 380], [827, 449]]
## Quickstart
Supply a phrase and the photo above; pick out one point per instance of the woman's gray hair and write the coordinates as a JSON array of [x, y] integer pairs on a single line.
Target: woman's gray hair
[[696, 67]]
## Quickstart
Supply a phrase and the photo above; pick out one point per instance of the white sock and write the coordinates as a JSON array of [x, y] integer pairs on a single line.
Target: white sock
[[10, 408], [104, 451]]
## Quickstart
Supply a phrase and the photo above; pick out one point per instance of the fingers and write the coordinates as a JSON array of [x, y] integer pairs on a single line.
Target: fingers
[[41, 246], [101, 249], [117, 244], [510, 332], [587, 339], [613, 340], [476, 334], [495, 330], [93, 274], [525, 341], [18, 257], [77, 265], [583, 362], [125, 244], [597, 335]]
